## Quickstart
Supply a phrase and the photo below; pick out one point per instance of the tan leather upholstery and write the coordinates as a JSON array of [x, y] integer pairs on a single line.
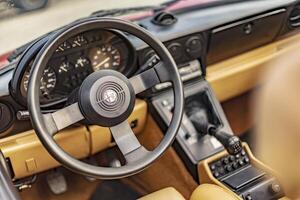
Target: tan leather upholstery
[[164, 194], [212, 192], [202, 192]]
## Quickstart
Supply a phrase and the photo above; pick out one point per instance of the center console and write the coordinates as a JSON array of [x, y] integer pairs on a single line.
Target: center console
[[237, 171], [190, 144]]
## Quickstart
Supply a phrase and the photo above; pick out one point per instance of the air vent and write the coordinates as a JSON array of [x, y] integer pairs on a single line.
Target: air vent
[[164, 19], [294, 19], [6, 117]]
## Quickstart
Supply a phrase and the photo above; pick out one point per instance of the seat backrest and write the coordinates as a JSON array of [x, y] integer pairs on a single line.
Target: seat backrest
[[212, 192], [202, 192], [168, 193]]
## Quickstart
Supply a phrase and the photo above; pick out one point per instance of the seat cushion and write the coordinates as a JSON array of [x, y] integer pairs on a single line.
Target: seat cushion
[[164, 194], [212, 192]]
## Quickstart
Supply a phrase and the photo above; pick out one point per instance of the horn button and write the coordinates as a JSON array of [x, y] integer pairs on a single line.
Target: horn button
[[106, 98]]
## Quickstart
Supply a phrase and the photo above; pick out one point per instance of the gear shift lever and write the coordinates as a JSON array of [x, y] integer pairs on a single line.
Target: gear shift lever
[[199, 118], [231, 143]]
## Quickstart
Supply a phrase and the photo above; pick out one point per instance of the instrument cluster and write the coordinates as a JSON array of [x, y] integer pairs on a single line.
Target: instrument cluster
[[78, 57]]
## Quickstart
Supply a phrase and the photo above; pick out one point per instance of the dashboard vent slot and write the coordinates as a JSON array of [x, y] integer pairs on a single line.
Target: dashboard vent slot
[[294, 18], [143, 26]]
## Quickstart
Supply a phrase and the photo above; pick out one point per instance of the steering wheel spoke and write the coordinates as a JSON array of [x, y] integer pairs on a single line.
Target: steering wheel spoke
[[149, 78], [62, 118], [128, 142]]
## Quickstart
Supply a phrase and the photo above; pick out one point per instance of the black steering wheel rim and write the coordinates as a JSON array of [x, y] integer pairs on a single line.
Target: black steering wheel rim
[[38, 121]]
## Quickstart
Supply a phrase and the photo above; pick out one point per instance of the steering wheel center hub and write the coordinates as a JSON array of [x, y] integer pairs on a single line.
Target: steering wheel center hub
[[106, 98], [110, 96]]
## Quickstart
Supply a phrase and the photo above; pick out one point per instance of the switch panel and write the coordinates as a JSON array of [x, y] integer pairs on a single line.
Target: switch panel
[[229, 164]]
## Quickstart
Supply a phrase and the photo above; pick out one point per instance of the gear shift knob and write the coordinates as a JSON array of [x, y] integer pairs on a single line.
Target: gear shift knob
[[199, 118], [231, 143]]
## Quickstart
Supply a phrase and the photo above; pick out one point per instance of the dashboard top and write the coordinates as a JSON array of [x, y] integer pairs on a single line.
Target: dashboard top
[[201, 20], [210, 18]]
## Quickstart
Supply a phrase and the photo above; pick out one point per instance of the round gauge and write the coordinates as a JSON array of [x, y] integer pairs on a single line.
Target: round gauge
[[47, 84], [64, 46], [105, 57], [78, 41], [64, 67], [81, 62]]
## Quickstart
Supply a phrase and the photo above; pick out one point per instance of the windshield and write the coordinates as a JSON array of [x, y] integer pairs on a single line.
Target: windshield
[[22, 21]]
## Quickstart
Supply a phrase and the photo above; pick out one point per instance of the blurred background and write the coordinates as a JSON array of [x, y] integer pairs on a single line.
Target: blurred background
[[42, 16]]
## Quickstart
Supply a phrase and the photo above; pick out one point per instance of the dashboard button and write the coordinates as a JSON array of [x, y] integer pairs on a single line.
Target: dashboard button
[[248, 197], [225, 161], [228, 168], [241, 162], [165, 103], [216, 174], [243, 153], [218, 164], [193, 46], [235, 165], [212, 167], [232, 158], [175, 50], [275, 188], [246, 160], [221, 170]]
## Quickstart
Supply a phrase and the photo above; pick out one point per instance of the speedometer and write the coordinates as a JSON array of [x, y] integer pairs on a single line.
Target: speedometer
[[105, 57]]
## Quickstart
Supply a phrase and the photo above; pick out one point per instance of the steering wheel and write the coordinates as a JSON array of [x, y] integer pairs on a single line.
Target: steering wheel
[[106, 98]]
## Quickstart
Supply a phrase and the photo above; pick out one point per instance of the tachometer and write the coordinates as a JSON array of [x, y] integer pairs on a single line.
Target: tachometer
[[105, 57]]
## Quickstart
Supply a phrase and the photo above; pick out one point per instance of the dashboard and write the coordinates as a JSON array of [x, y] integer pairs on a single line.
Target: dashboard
[[199, 38], [78, 57]]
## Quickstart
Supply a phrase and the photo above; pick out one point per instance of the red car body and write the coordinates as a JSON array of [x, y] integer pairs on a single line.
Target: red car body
[[3, 60]]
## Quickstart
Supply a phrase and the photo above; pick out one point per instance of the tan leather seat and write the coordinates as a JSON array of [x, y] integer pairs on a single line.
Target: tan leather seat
[[202, 192], [164, 194], [212, 192]]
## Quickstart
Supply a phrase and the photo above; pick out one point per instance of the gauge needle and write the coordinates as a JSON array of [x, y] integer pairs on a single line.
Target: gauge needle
[[77, 43], [104, 61]]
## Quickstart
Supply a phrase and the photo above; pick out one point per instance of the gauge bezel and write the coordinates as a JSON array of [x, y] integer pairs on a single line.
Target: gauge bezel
[[44, 80], [131, 65], [30, 53], [25, 59]]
